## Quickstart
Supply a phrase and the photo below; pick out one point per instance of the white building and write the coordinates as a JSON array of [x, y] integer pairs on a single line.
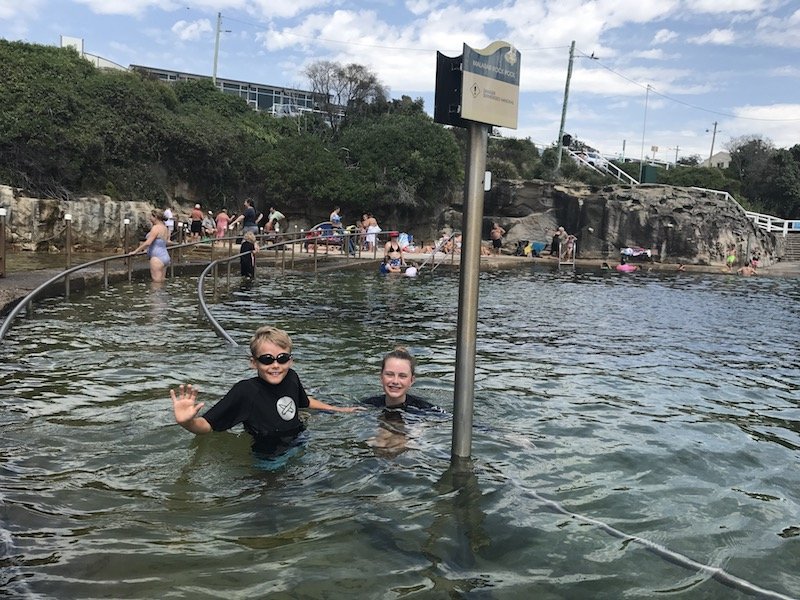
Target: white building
[[720, 160]]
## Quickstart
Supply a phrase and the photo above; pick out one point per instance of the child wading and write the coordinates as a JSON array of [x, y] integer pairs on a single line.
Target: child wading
[[267, 405]]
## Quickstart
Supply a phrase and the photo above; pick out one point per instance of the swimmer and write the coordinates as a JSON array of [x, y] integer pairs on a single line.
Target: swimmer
[[747, 271], [156, 244], [411, 271], [397, 376], [267, 405], [387, 267]]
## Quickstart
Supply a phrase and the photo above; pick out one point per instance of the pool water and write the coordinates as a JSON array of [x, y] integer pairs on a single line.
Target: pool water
[[665, 406]]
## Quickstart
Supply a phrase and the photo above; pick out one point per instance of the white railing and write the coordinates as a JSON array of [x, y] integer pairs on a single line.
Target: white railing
[[762, 221], [607, 168], [770, 223]]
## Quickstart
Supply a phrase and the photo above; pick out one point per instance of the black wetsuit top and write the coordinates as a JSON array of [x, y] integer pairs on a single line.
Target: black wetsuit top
[[268, 412], [411, 402]]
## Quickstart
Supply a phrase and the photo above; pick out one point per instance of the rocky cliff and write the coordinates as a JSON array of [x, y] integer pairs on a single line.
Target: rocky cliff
[[676, 224]]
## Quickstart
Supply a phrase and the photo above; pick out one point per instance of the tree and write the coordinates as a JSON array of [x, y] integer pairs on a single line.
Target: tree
[[750, 155], [342, 90], [689, 161], [781, 186]]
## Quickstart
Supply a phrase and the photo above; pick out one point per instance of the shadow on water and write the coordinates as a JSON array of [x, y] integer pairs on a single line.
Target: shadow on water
[[663, 406]]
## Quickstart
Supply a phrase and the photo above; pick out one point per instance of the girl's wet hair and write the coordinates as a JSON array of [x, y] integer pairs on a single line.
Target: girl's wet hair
[[158, 214], [401, 353], [268, 333]]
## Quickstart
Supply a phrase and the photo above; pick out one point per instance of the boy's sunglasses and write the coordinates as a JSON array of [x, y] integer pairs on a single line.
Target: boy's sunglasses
[[268, 359]]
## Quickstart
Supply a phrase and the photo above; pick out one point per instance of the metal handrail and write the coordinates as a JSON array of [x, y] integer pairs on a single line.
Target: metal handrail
[[437, 248], [28, 299], [219, 329]]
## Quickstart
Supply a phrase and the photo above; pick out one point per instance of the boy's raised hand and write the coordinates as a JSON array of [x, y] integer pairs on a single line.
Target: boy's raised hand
[[185, 404]]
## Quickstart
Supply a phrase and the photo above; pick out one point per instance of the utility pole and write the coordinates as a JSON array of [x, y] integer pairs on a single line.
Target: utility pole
[[216, 49], [713, 139], [644, 127], [564, 106], [676, 155]]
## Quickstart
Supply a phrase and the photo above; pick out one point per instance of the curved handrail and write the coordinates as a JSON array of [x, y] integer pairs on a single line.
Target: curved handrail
[[26, 300], [219, 329], [31, 295]]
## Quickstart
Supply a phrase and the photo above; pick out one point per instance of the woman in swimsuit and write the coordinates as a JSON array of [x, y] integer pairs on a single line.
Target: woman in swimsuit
[[156, 245], [393, 251]]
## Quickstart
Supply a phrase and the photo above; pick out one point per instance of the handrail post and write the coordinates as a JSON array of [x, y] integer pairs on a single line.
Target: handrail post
[[68, 249], [315, 256], [105, 275], [292, 258], [2, 242], [283, 259]]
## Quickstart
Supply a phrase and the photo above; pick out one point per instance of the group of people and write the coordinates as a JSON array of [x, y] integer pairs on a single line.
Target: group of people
[[268, 405], [162, 227]]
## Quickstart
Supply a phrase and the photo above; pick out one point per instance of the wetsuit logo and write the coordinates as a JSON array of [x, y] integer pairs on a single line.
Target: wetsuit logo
[[286, 408]]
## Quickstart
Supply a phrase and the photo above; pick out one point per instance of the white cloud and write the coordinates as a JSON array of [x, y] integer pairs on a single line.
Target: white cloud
[[728, 6], [191, 30], [13, 9], [127, 7], [653, 54], [722, 37], [774, 31], [663, 36], [785, 71]]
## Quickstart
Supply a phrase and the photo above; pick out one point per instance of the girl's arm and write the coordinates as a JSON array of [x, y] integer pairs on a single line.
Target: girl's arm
[[319, 405]]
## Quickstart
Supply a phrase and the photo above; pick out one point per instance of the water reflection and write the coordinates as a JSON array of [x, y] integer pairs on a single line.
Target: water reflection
[[642, 402]]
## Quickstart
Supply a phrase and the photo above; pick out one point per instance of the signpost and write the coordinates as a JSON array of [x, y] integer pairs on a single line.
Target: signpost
[[475, 90]]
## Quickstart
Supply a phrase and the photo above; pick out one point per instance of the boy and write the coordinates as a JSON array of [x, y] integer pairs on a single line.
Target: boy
[[267, 405]]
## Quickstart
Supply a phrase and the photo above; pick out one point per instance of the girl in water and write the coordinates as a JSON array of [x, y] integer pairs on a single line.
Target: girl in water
[[156, 245]]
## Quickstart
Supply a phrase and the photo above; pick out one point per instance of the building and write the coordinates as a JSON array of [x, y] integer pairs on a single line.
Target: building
[[278, 101], [720, 160]]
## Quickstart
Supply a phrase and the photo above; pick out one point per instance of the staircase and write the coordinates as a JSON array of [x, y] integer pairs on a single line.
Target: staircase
[[792, 247]]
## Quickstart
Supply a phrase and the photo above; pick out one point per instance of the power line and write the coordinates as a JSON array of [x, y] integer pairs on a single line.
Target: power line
[[677, 101]]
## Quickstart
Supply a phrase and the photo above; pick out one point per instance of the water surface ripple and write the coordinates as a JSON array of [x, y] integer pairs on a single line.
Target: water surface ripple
[[665, 405]]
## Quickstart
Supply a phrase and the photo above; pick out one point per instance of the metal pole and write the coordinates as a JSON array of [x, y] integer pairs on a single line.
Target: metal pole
[[68, 250], [564, 106], [2, 242], [713, 139], [216, 49], [644, 127], [478, 135]]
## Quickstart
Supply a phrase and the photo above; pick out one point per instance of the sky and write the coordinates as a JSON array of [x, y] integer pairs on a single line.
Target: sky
[[647, 74]]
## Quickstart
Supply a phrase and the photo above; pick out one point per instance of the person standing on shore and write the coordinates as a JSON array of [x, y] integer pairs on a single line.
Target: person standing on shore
[[247, 218], [196, 227], [372, 228], [496, 234], [156, 244], [222, 221], [169, 221]]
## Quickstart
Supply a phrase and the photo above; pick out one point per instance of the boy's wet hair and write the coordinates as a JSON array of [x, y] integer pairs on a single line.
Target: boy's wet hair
[[401, 353], [268, 333]]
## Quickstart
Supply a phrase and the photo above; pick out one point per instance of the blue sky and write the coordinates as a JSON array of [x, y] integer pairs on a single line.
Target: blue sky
[[731, 62]]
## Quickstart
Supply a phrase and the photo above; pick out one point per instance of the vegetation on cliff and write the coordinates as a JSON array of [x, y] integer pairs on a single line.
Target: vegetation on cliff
[[69, 129]]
